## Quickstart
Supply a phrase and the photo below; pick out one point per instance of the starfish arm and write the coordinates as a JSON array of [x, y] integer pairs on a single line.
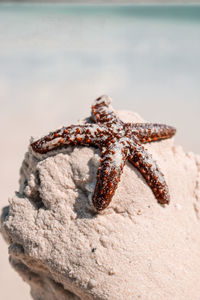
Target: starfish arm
[[101, 112], [72, 135], [108, 176], [149, 169], [148, 132]]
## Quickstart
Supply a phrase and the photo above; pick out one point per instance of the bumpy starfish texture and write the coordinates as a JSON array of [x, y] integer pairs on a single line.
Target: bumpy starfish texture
[[118, 142]]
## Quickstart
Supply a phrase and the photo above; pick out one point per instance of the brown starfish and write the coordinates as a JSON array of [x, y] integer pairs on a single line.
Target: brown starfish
[[118, 141]]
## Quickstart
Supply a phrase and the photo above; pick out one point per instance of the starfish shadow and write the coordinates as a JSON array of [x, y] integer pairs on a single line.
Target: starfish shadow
[[83, 208], [140, 177], [83, 204]]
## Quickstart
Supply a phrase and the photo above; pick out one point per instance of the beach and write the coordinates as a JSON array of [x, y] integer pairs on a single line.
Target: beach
[[56, 59]]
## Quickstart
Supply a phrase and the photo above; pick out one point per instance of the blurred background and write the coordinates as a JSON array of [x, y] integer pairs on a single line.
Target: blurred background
[[55, 59]]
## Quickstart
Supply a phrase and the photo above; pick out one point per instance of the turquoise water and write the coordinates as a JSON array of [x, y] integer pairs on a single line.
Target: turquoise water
[[60, 57], [184, 12]]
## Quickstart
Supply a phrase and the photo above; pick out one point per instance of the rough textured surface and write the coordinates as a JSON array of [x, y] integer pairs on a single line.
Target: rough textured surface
[[136, 249]]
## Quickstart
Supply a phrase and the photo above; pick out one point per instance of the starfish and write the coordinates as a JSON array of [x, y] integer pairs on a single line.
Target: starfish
[[118, 142]]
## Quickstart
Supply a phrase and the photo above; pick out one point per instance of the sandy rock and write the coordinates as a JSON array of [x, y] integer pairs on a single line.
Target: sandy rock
[[134, 249]]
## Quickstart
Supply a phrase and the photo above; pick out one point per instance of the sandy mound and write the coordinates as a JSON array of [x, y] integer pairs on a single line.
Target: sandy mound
[[135, 249]]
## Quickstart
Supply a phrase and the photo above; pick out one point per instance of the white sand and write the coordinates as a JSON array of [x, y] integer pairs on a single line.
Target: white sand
[[135, 249]]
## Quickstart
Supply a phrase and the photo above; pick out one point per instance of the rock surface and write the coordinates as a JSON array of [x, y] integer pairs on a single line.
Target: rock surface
[[135, 249]]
